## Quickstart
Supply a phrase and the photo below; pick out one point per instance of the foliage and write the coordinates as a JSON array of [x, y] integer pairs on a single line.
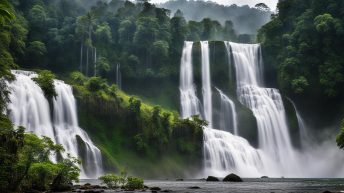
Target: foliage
[[134, 183], [111, 180], [246, 19], [143, 38], [137, 128], [95, 84], [45, 80], [303, 43], [6, 13], [25, 163], [114, 181]]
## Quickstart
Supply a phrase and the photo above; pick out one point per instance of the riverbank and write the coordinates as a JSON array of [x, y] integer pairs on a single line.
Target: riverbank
[[250, 185]]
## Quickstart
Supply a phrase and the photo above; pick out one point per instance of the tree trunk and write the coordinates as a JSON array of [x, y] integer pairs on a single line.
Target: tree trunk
[[81, 49], [87, 61], [95, 61]]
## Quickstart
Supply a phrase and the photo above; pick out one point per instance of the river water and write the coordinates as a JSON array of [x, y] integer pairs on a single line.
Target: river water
[[250, 185]]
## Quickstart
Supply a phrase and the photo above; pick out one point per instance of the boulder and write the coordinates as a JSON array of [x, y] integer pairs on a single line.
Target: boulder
[[194, 187], [232, 178], [212, 179], [155, 188], [264, 177]]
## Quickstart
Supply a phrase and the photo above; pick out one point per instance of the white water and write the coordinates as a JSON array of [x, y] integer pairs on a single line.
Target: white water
[[28, 107], [266, 105], [228, 116], [190, 104], [223, 152], [226, 153], [67, 128], [275, 157], [206, 84]]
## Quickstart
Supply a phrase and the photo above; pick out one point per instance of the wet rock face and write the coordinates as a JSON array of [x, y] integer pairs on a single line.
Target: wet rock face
[[232, 178], [212, 179]]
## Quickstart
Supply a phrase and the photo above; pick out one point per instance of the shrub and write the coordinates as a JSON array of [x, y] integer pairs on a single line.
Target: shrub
[[95, 84], [78, 78], [111, 180], [134, 183], [45, 80]]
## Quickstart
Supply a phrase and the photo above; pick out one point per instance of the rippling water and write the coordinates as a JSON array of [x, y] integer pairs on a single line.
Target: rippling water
[[248, 186]]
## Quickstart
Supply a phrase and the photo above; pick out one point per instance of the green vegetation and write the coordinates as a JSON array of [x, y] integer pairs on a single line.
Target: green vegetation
[[122, 181], [303, 44], [147, 41], [246, 20], [134, 183], [25, 163], [45, 80], [126, 129]]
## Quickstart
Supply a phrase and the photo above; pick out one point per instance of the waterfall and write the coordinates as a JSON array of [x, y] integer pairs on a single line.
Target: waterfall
[[228, 116], [266, 105], [190, 104], [67, 129], [28, 107], [118, 76], [206, 84], [223, 152]]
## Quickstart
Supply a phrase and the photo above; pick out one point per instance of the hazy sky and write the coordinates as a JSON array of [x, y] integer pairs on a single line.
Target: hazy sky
[[271, 3]]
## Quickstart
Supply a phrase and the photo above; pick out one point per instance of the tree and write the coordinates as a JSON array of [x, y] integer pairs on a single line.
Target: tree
[[6, 12], [102, 66], [262, 7], [85, 26], [145, 35]]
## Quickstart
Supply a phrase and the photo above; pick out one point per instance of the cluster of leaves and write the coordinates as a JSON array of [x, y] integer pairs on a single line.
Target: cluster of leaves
[[303, 43], [45, 80], [25, 163], [114, 181]]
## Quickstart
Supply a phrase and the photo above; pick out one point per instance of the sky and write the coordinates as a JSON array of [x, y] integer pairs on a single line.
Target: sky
[[271, 3]]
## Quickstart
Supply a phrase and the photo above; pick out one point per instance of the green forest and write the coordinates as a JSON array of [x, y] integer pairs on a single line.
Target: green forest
[[83, 44]]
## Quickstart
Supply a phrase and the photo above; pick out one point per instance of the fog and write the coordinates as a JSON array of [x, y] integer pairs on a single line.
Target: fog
[[246, 20]]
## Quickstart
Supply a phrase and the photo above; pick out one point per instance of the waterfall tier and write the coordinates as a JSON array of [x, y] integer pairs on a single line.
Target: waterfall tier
[[224, 150], [28, 107]]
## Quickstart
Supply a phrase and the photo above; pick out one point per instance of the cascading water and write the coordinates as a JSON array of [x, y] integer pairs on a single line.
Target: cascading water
[[29, 108], [190, 105], [266, 105], [206, 84], [67, 129], [223, 152], [228, 116]]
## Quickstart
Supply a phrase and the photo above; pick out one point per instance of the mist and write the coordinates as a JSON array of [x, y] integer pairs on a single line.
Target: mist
[[246, 20]]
